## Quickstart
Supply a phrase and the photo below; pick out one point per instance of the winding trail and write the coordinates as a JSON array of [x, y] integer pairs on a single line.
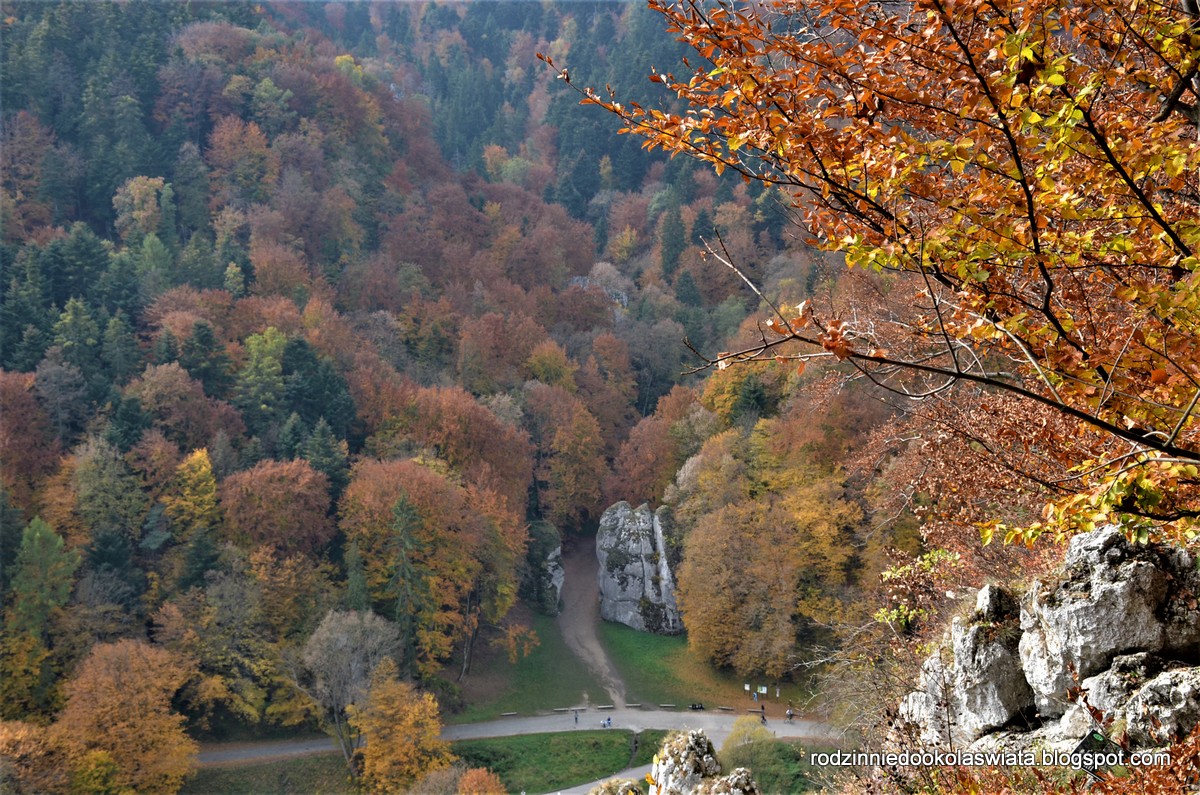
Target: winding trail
[[581, 615]]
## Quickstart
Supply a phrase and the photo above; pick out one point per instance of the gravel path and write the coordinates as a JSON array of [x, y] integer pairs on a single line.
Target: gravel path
[[581, 615]]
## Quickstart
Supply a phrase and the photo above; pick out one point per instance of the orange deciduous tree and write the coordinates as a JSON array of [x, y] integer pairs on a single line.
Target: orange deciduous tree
[[570, 468], [493, 348], [480, 781], [281, 504], [770, 549], [26, 144], [404, 730], [445, 559], [487, 451], [28, 450], [119, 703], [179, 406], [30, 759], [645, 464], [243, 166]]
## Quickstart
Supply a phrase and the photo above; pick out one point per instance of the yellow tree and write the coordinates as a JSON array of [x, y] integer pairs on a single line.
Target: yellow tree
[[438, 556], [192, 503], [137, 206], [403, 731], [31, 761], [119, 704], [1028, 171]]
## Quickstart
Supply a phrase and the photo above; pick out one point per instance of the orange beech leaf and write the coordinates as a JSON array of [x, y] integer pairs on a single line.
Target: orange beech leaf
[[777, 327]]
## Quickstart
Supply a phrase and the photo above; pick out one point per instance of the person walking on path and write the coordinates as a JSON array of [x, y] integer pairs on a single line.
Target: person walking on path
[[576, 717]]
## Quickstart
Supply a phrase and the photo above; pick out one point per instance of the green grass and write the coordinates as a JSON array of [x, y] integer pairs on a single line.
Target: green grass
[[324, 774], [777, 765], [649, 741], [546, 762], [530, 763], [551, 676], [660, 669]]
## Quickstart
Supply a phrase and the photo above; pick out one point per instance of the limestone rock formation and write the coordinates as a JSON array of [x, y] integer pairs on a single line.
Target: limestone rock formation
[[555, 574], [1121, 626], [543, 574], [1107, 605], [982, 689], [617, 786], [925, 712], [1165, 709], [636, 585], [687, 765], [989, 690]]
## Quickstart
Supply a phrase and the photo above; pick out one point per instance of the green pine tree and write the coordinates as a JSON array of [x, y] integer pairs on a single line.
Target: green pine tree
[[45, 571], [119, 350], [673, 241], [260, 385], [328, 455]]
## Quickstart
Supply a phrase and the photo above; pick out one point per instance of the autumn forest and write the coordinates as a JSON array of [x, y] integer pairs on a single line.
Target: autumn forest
[[321, 323]]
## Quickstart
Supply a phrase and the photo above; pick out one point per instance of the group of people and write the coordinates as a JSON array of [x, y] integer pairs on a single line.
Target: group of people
[[605, 723]]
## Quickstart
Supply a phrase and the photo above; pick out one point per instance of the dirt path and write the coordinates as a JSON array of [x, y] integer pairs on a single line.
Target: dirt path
[[581, 614]]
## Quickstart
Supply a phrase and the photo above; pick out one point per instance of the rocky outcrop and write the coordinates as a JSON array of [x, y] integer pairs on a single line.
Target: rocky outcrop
[[982, 688], [636, 585], [554, 575], [989, 689], [1108, 604], [1120, 627], [543, 574], [1165, 709], [687, 765]]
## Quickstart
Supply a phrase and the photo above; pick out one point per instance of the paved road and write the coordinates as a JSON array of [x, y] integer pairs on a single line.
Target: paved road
[[213, 754], [716, 724]]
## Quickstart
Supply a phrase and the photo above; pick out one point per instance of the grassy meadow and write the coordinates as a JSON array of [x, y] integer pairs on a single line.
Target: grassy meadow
[[528, 763], [660, 669], [548, 678]]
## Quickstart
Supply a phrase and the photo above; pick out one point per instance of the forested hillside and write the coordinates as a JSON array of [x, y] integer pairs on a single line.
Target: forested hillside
[[313, 308], [1017, 185]]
